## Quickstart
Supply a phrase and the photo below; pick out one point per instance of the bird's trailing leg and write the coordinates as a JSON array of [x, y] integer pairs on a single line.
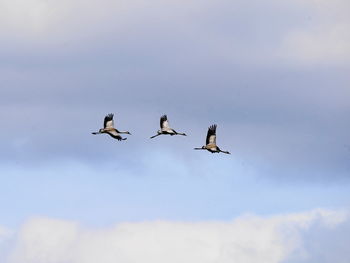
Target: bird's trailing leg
[[177, 133], [225, 152], [155, 136]]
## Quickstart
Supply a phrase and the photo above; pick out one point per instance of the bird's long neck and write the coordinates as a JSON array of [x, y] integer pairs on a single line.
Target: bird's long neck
[[200, 148], [99, 132], [123, 132]]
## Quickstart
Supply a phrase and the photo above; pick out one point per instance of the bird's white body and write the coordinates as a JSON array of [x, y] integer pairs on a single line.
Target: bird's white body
[[211, 141], [109, 128], [165, 128]]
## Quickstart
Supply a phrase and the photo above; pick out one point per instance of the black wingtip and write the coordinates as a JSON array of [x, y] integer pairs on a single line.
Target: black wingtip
[[110, 115]]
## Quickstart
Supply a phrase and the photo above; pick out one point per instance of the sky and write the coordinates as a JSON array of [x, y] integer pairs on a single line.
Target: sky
[[273, 75]]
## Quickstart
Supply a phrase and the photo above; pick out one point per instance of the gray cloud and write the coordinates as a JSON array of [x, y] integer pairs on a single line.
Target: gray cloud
[[200, 66]]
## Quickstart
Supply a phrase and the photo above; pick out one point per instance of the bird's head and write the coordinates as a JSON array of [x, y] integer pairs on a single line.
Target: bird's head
[[128, 133]]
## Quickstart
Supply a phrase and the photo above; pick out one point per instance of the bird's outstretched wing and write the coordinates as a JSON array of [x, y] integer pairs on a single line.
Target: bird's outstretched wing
[[164, 122], [211, 135], [108, 122]]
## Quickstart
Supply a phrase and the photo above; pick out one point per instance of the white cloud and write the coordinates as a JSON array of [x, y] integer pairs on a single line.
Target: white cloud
[[4, 232], [5, 237], [245, 239]]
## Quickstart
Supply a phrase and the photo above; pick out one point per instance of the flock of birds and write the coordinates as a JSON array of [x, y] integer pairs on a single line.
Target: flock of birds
[[210, 143]]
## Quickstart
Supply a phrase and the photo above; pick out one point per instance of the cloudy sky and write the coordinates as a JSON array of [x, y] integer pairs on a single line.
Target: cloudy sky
[[273, 75]]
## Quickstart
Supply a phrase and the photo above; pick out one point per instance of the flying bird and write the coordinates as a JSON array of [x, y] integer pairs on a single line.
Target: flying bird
[[211, 141], [108, 127], [165, 129]]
